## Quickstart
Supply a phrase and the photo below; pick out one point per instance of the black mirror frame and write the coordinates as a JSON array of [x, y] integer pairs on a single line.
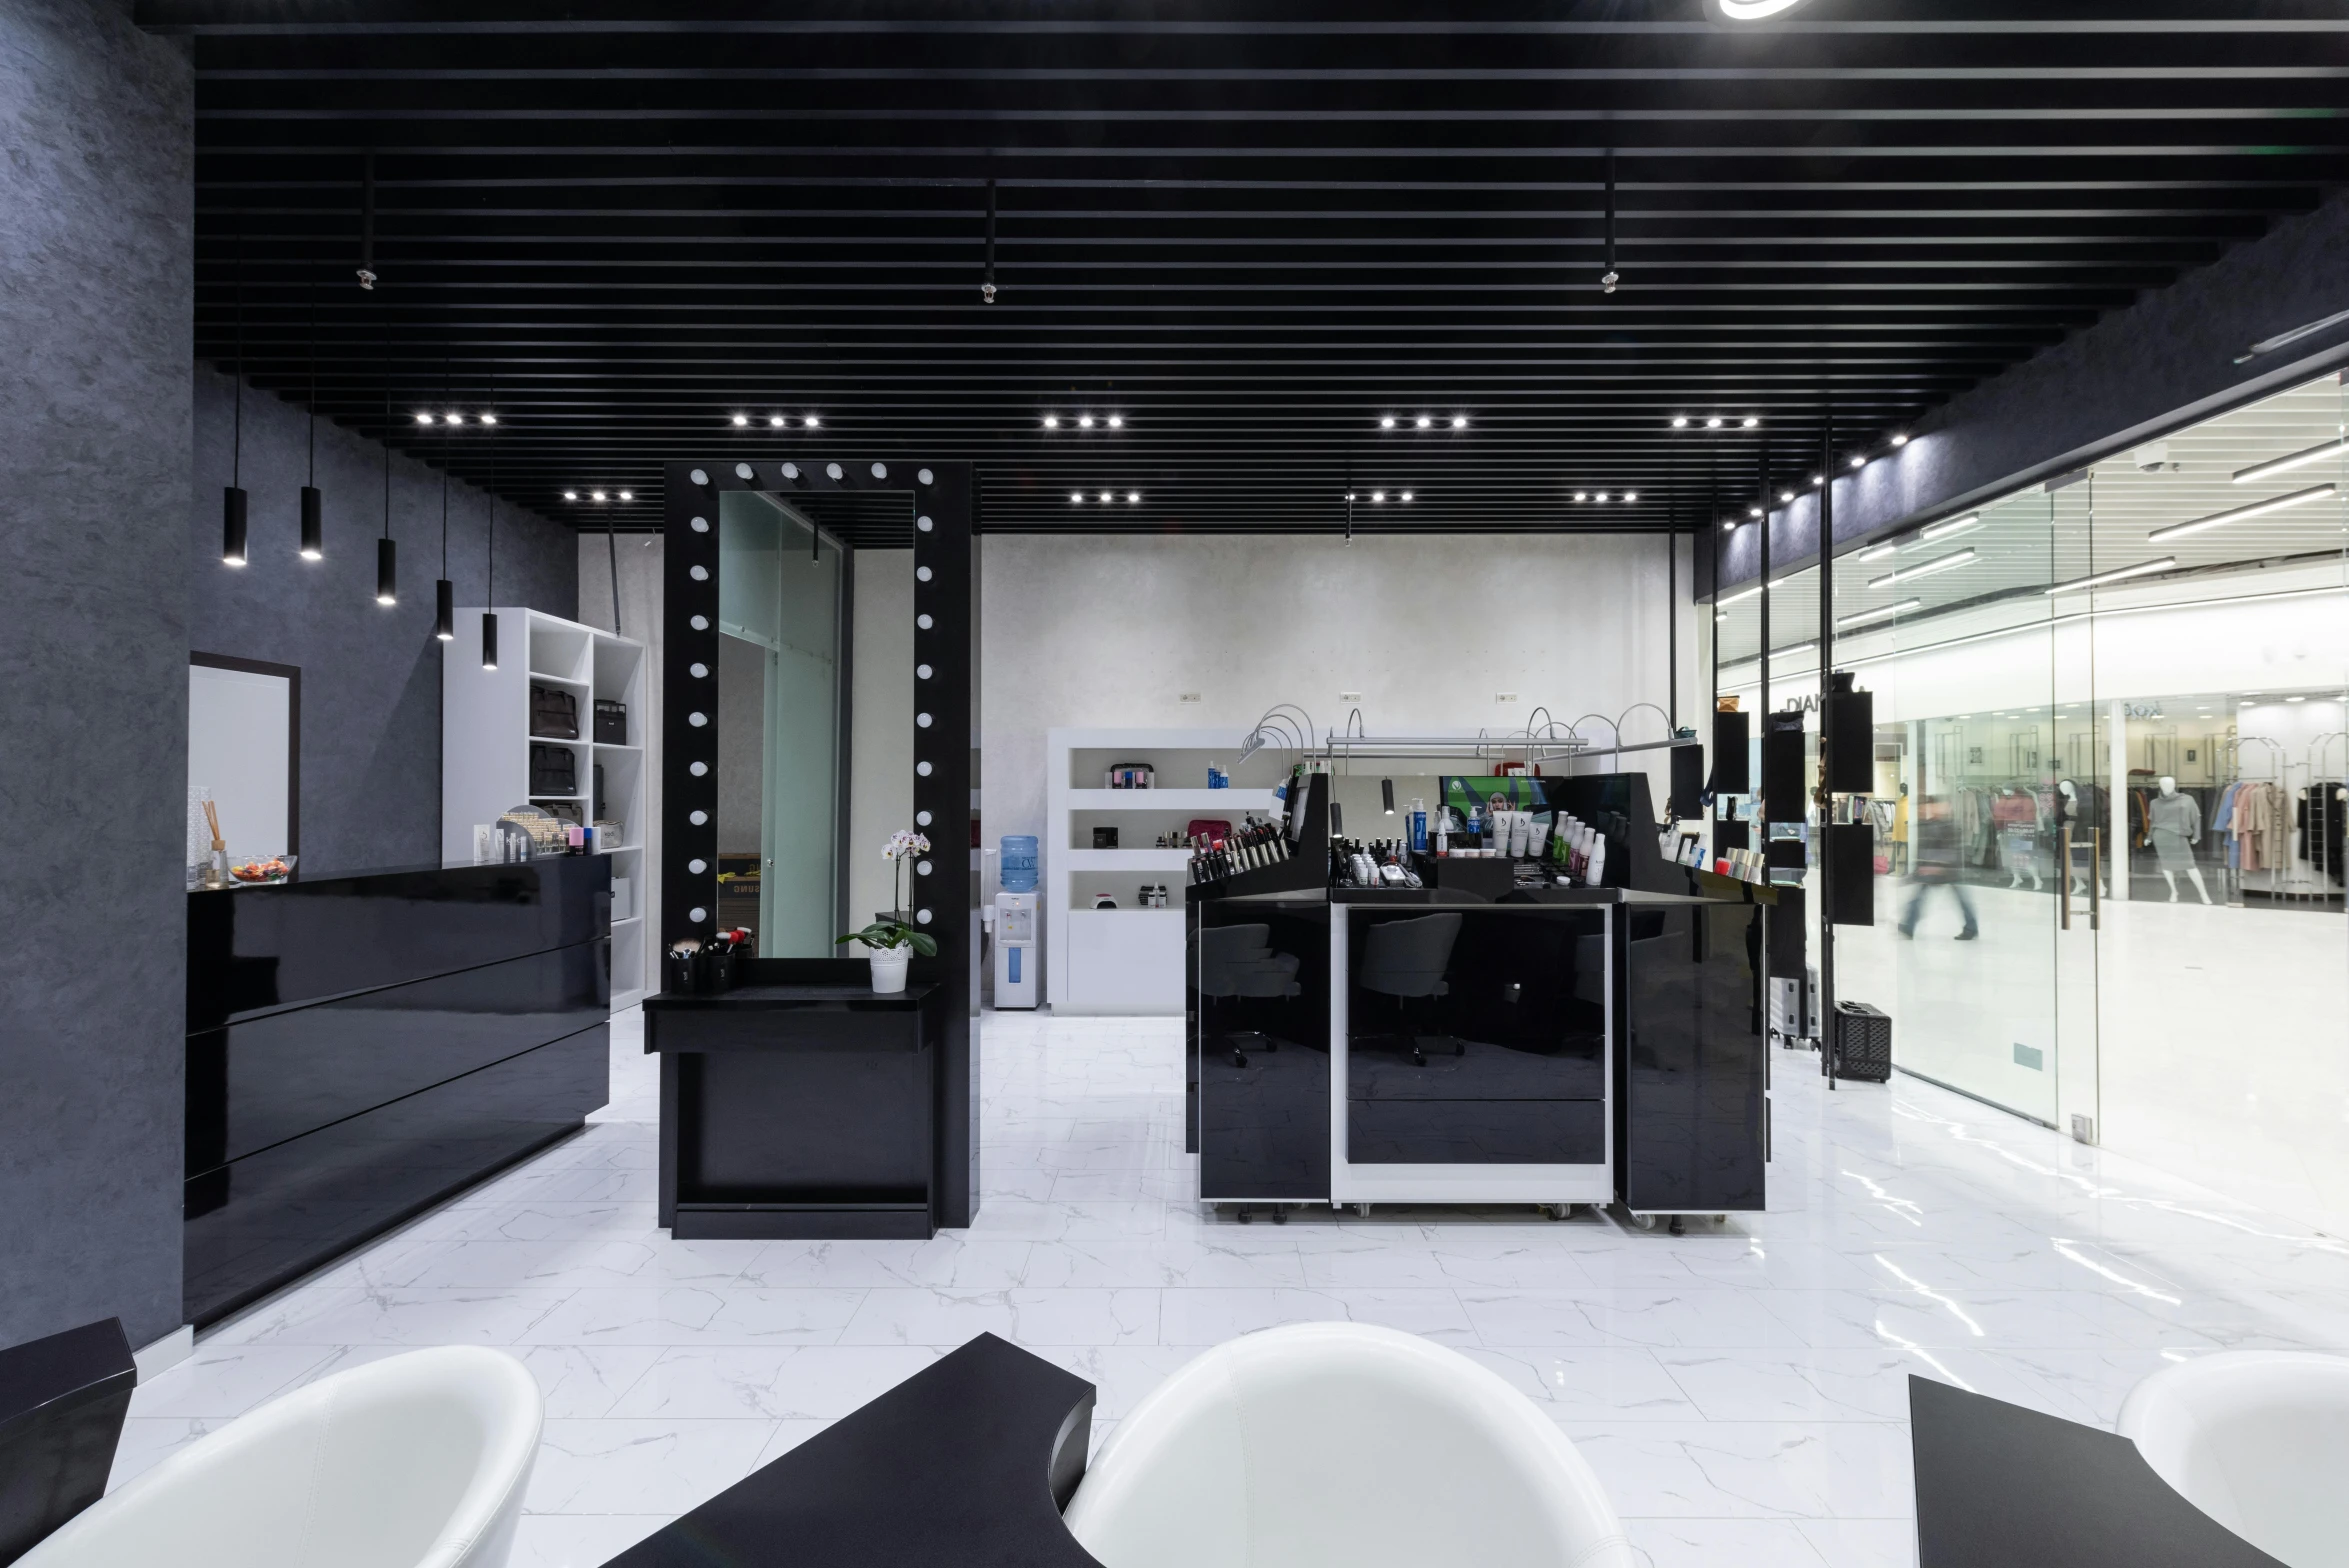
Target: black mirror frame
[[945, 590]]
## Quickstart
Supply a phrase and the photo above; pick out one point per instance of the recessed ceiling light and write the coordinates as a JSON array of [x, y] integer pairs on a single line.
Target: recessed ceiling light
[[2295, 699], [1876, 552], [1859, 460], [1076, 498], [1459, 421], [424, 419], [452, 419], [811, 422], [627, 495], [1753, 511], [1680, 421], [1106, 498], [1713, 423], [1378, 497], [742, 419], [1052, 421], [2244, 704], [1084, 421], [1950, 527], [1754, 10], [2241, 513], [776, 421], [1602, 496], [2280, 465], [1785, 495], [1900, 438], [595, 495], [1406, 495], [2114, 576], [1582, 495], [489, 419], [1814, 481], [1133, 498], [1117, 421], [1729, 525], [1386, 421], [1942, 563], [1424, 422], [1865, 617], [1750, 422], [570, 495], [1630, 495]]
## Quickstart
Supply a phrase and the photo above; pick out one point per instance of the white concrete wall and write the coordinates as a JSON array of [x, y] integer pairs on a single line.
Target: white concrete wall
[[1103, 630]]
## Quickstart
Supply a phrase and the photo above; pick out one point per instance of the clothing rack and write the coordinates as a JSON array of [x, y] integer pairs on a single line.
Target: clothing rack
[[2321, 805], [2280, 884]]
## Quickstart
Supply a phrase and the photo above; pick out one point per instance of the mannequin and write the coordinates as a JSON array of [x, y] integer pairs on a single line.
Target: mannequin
[[2176, 826], [2068, 808]]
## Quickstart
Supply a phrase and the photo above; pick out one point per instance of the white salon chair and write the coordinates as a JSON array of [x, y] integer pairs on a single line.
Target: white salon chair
[[1341, 1445], [2258, 1440], [417, 1461]]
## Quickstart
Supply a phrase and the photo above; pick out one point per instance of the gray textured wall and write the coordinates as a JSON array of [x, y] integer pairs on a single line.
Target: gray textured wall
[[370, 675], [2165, 361], [95, 320]]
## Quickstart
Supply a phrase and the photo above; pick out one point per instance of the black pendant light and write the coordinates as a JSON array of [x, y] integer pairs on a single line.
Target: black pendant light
[[1609, 278], [387, 555], [232, 499], [313, 505], [444, 592], [489, 617]]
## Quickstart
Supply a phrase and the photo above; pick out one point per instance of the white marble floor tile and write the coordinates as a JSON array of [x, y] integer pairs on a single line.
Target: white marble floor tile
[[1742, 1391]]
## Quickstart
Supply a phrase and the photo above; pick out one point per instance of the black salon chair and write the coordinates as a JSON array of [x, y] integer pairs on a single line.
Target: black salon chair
[[62, 1401], [1406, 959], [1238, 961]]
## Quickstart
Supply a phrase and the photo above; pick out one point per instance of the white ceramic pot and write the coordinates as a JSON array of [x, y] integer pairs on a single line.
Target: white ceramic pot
[[889, 968]]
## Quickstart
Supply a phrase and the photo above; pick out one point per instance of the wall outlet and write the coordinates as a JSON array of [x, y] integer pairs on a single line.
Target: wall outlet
[[2083, 1128], [1504, 696], [1189, 696], [1349, 696]]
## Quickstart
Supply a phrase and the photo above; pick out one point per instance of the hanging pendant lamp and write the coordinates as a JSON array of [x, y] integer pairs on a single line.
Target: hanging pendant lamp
[[313, 546], [444, 592], [232, 499], [387, 555], [489, 617]]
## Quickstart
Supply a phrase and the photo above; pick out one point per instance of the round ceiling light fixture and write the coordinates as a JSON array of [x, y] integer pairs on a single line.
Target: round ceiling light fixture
[[1750, 10]]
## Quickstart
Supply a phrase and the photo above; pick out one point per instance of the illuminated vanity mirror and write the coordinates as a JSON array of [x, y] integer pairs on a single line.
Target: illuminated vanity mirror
[[815, 712]]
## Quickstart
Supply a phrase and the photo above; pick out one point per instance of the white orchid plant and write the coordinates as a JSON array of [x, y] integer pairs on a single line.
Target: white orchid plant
[[889, 932]]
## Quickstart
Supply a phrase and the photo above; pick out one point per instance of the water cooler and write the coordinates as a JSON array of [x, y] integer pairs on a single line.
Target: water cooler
[[1018, 911]]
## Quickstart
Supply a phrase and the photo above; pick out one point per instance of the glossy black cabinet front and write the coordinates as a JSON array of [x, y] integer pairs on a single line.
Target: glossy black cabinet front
[[1476, 1036], [1258, 994], [362, 1047], [1694, 1134]]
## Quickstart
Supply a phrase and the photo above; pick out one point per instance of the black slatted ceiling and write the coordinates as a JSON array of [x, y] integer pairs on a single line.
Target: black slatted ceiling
[[1249, 229]]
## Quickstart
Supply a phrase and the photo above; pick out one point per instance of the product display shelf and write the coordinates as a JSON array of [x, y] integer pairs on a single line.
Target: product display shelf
[[486, 743], [1130, 959]]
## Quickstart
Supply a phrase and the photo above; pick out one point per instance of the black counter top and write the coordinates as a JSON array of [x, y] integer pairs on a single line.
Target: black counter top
[[827, 998], [1521, 898], [305, 874]]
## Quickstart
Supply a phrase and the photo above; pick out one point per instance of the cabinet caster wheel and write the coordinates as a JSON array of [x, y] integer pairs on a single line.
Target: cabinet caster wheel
[[1678, 1229], [1362, 1211], [1280, 1216], [1558, 1211], [1643, 1222], [1244, 1216]]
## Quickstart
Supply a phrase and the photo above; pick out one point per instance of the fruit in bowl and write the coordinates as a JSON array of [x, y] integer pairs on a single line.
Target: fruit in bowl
[[273, 869]]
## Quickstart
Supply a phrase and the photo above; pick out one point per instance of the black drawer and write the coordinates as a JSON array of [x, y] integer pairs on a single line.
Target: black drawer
[[1476, 1132]]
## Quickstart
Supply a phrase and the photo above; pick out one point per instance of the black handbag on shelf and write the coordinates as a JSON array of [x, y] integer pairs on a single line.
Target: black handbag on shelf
[[611, 722], [553, 713], [554, 770]]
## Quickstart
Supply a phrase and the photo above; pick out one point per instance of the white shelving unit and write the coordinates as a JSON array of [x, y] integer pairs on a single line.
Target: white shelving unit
[[1130, 959], [486, 741]]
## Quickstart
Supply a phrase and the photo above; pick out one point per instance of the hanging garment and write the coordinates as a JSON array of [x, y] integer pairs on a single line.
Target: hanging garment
[[2222, 822], [2176, 827]]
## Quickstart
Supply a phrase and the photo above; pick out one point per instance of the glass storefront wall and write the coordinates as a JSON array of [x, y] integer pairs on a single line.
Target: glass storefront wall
[[2110, 760]]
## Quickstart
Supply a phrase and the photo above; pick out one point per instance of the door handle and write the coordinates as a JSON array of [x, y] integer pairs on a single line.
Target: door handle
[[2063, 879], [2096, 879]]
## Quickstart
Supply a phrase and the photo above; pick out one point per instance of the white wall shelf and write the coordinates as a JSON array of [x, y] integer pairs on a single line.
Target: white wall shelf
[[1128, 959], [486, 741]]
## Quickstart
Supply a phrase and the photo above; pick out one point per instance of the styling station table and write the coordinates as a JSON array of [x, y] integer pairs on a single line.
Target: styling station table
[[1997, 1483], [798, 1104], [1483, 1038]]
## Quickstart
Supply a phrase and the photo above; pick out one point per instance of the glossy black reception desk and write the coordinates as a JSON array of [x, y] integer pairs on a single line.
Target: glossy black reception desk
[[361, 1047]]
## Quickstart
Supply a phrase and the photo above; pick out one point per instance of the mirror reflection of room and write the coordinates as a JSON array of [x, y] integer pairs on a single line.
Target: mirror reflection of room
[[814, 714]]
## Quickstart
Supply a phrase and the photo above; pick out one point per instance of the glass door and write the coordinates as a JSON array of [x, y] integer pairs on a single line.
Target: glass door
[[2077, 804]]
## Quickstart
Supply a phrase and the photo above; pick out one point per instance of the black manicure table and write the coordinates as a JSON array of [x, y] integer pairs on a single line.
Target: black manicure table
[[966, 1464]]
